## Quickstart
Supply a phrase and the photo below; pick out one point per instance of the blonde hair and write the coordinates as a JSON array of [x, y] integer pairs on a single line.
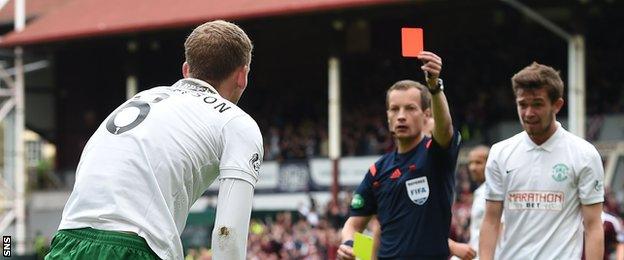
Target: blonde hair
[[215, 49]]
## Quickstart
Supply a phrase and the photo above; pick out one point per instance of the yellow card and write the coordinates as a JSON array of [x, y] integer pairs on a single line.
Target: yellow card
[[362, 246]]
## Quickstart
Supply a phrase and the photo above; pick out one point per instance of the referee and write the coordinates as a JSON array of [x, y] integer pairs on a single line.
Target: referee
[[410, 190]]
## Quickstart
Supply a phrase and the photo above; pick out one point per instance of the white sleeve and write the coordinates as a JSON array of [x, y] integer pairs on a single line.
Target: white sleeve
[[242, 150], [494, 185], [229, 237], [590, 180], [619, 232]]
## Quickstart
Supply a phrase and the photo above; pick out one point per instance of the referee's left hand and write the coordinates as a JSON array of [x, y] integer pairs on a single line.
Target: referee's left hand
[[345, 252]]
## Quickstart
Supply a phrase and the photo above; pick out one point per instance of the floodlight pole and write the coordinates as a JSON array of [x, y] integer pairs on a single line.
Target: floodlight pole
[[18, 153], [576, 67], [334, 121]]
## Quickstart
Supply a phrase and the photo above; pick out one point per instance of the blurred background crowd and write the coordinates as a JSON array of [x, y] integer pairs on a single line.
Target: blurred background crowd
[[313, 233]]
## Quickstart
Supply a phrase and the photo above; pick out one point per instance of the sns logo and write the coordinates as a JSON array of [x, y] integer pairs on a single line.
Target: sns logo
[[6, 246], [418, 190]]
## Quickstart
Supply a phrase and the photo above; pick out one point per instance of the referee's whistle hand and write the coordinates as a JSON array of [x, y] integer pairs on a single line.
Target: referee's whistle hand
[[345, 252]]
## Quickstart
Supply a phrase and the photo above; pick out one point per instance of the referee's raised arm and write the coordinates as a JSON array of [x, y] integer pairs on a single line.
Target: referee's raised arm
[[443, 125]]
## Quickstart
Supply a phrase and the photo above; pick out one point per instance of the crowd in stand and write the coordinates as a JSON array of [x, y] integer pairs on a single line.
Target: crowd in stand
[[361, 134]]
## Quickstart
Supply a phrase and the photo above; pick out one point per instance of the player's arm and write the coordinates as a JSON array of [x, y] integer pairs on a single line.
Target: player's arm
[[619, 251], [353, 224], [239, 170], [461, 250], [490, 229], [594, 234], [591, 193], [495, 191], [229, 237], [443, 127]]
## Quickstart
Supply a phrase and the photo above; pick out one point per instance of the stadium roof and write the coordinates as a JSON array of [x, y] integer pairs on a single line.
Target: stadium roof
[[33, 9], [75, 19]]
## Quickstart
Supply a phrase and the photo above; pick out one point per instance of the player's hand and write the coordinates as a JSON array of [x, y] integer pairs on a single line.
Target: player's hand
[[463, 251], [432, 66], [345, 252]]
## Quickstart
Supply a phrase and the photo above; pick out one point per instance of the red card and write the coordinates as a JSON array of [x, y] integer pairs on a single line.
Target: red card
[[412, 41]]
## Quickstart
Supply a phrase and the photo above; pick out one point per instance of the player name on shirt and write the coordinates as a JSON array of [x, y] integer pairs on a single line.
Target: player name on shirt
[[197, 90], [541, 200]]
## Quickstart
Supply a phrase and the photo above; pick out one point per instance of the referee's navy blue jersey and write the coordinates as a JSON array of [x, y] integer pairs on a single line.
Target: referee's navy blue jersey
[[412, 195]]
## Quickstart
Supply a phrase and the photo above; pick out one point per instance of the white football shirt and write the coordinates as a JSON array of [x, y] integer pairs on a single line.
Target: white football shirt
[[477, 212], [617, 226], [154, 156], [542, 189]]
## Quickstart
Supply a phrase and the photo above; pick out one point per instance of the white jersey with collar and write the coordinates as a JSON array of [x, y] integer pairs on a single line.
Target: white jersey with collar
[[542, 189], [154, 156]]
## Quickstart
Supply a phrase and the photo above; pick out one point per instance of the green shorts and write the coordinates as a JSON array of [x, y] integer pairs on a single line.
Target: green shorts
[[89, 243]]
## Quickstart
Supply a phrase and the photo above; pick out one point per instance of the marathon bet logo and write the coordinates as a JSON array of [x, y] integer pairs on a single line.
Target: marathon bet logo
[[357, 202], [560, 172]]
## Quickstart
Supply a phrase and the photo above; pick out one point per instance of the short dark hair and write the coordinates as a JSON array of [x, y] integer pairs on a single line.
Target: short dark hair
[[537, 76], [215, 49], [425, 96]]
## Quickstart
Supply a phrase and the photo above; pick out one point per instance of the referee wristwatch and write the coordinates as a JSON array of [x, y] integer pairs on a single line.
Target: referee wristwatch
[[439, 87]]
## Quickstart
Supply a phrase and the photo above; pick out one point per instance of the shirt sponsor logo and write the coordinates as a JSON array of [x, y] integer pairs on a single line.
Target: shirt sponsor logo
[[560, 172], [535, 200], [357, 202], [418, 190]]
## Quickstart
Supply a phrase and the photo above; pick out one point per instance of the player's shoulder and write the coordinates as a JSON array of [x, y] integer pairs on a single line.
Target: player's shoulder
[[582, 150], [379, 163], [507, 144], [243, 123], [386, 157], [578, 144], [154, 90]]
